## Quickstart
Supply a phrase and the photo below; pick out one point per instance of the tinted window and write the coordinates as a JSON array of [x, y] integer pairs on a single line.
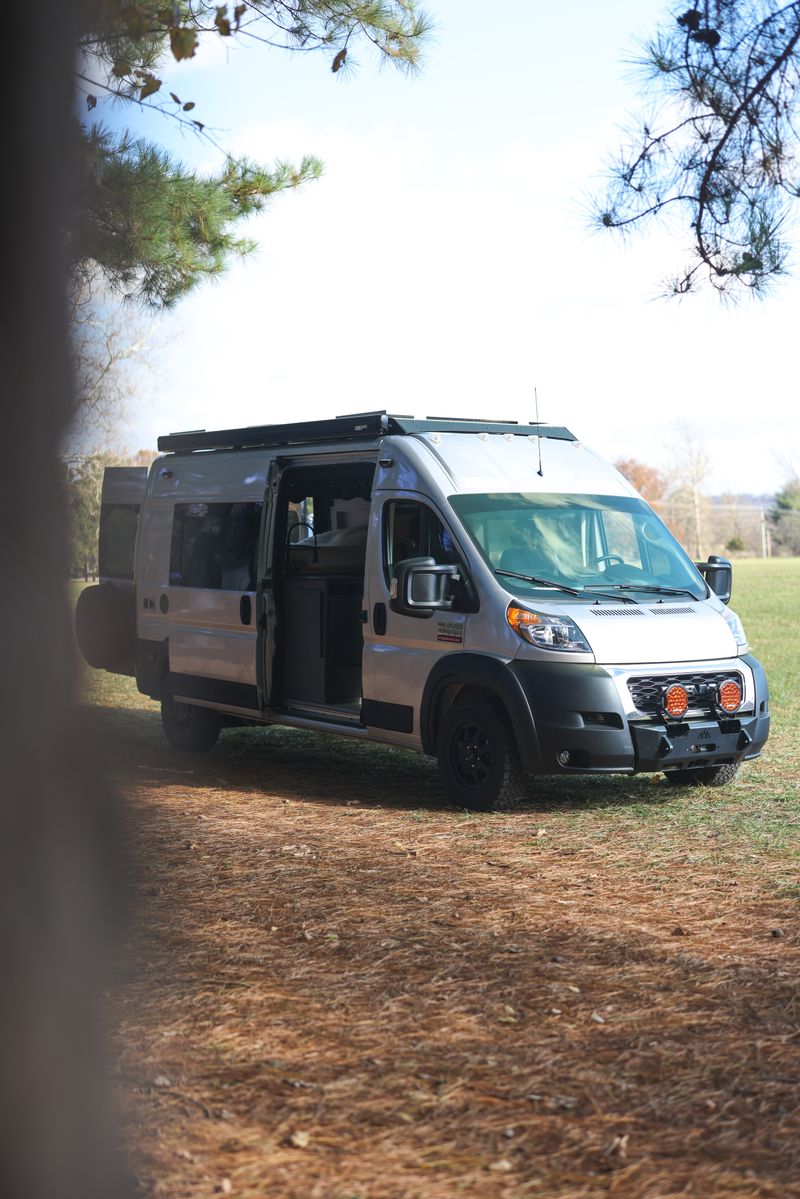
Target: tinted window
[[412, 530], [117, 540], [214, 546]]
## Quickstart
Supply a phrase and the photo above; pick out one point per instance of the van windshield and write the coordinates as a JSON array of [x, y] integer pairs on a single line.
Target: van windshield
[[603, 542]]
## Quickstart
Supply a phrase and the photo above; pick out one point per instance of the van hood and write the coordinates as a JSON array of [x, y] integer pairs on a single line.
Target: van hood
[[654, 632]]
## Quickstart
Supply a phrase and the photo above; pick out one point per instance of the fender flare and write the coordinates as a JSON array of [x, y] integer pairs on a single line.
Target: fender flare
[[759, 680], [488, 674]]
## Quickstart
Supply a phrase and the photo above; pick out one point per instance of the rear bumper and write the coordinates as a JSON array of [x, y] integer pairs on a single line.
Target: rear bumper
[[584, 726]]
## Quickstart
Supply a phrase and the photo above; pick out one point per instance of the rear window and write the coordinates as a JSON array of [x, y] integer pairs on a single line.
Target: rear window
[[117, 540]]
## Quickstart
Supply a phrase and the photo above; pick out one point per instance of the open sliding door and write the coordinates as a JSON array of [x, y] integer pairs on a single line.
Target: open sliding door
[[266, 602], [311, 584]]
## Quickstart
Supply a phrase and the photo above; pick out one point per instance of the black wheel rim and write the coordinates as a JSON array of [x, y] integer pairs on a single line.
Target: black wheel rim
[[471, 755]]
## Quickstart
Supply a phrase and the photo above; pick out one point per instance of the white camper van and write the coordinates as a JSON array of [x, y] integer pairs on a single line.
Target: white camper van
[[490, 593]]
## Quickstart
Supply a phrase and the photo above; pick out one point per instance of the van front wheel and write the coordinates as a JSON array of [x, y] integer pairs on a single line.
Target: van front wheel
[[188, 727], [478, 760]]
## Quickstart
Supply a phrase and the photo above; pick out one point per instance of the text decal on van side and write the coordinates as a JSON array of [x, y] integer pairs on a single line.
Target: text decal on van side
[[450, 630]]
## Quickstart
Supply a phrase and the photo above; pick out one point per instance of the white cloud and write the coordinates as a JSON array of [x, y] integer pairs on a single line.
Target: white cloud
[[394, 283]]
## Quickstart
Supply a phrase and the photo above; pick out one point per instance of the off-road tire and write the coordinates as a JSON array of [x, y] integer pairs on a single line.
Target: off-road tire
[[704, 776], [187, 726], [478, 758]]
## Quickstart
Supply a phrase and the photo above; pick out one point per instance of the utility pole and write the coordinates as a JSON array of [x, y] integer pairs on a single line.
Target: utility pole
[[766, 541], [696, 503]]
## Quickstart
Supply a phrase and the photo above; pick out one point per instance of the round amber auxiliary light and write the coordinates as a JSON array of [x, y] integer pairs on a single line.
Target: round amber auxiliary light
[[729, 696], [675, 700]]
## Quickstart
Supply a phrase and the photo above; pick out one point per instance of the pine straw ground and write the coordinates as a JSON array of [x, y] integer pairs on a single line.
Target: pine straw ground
[[338, 989]]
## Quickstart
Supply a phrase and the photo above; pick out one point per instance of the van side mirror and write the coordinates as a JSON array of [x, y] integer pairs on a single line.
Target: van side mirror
[[419, 586], [718, 573]]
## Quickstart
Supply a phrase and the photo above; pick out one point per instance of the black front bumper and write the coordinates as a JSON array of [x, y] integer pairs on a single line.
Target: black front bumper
[[698, 742], [581, 726]]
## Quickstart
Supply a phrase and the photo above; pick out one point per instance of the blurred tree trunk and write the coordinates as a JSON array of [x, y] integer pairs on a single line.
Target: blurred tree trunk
[[55, 832]]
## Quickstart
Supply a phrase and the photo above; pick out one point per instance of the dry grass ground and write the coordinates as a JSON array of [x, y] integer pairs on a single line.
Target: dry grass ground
[[338, 989]]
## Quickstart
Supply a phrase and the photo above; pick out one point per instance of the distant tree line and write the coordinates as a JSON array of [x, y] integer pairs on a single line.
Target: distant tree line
[[728, 524], [785, 518]]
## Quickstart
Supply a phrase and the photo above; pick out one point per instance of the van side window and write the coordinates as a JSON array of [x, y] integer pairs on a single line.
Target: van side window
[[413, 530], [214, 546]]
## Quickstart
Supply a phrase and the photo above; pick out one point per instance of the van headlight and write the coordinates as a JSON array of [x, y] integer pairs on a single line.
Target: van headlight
[[736, 627], [546, 631]]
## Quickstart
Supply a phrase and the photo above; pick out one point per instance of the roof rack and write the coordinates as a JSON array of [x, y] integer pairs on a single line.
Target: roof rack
[[354, 427]]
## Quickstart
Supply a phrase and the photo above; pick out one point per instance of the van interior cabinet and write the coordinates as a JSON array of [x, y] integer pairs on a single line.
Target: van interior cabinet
[[322, 644]]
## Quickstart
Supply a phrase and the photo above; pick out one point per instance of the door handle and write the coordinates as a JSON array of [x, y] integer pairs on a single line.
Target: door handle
[[245, 609], [265, 614], [379, 619]]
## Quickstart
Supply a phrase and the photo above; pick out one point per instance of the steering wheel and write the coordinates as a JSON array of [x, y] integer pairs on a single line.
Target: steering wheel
[[609, 559]]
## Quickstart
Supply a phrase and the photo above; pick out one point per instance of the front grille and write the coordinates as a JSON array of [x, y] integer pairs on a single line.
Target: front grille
[[646, 689]]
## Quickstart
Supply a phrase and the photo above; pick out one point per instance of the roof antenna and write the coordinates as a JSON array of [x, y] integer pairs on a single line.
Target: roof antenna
[[539, 472]]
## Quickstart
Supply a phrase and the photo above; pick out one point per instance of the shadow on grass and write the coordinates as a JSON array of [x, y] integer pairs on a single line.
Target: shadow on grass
[[333, 770]]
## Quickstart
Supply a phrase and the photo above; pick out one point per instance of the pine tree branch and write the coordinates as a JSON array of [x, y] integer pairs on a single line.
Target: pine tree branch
[[730, 155], [197, 127], [705, 182]]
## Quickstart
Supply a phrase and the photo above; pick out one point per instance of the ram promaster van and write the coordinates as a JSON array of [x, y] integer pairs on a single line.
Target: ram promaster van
[[490, 593]]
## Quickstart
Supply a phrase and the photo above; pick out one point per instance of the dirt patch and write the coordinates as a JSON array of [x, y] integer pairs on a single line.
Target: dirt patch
[[339, 990]]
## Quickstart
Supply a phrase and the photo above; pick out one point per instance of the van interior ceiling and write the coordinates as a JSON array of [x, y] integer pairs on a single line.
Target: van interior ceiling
[[320, 541]]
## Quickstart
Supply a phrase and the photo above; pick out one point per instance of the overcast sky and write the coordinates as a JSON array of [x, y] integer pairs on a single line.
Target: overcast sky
[[443, 263]]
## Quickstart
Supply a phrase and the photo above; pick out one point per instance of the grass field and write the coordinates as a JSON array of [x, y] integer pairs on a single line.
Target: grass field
[[339, 988], [759, 815]]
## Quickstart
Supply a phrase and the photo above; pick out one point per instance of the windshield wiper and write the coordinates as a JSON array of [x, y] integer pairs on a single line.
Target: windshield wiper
[[656, 590], [513, 574]]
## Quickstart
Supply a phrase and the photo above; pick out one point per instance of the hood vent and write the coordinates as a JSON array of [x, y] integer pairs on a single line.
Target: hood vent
[[622, 610], [661, 610]]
